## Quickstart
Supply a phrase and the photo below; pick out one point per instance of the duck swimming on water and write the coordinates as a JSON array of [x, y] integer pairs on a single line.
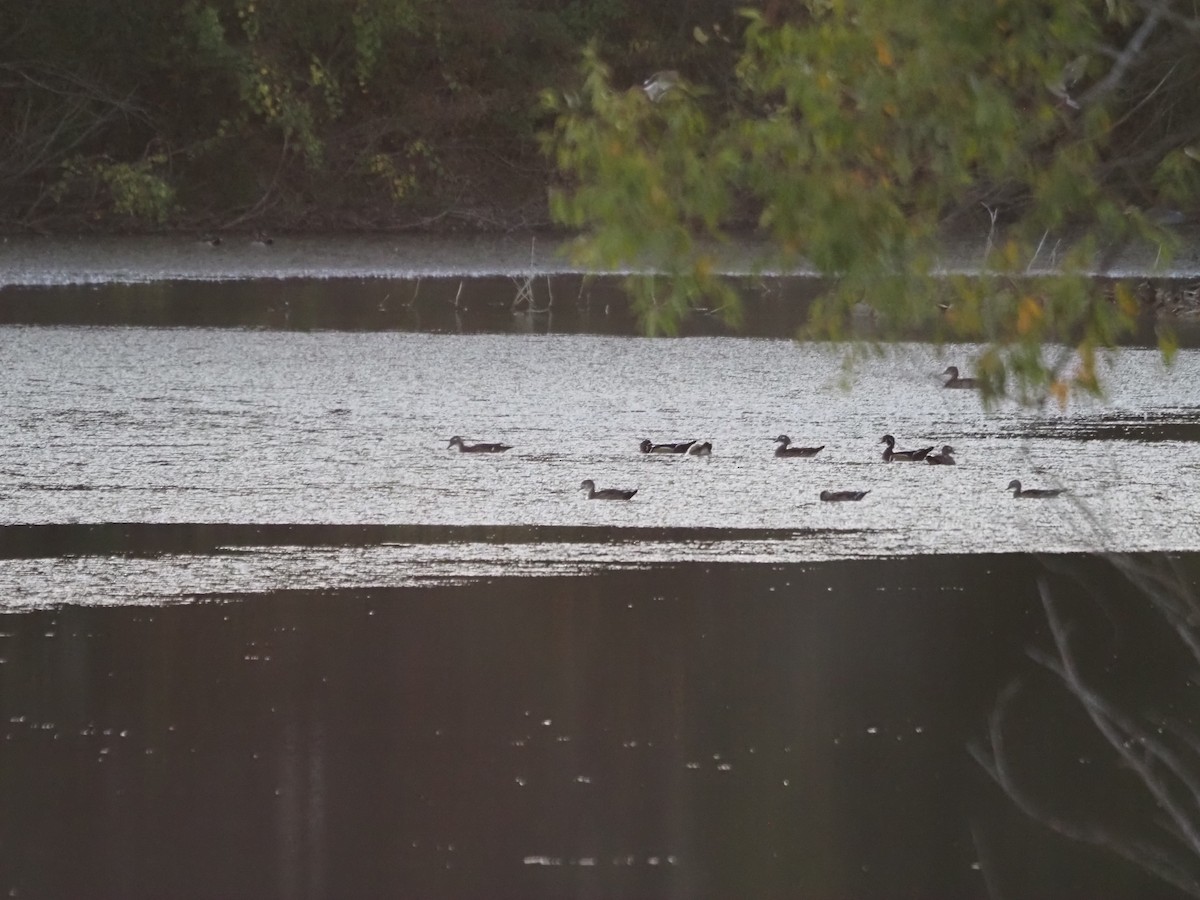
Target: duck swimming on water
[[477, 448], [785, 448], [1015, 487], [676, 447], [837, 496], [607, 493], [891, 454], [955, 381], [945, 458]]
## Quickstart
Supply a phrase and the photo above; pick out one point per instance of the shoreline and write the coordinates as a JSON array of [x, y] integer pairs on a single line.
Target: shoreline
[[127, 259], [477, 280]]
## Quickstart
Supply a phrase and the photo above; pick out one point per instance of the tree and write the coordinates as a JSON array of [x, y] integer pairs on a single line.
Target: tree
[[859, 133]]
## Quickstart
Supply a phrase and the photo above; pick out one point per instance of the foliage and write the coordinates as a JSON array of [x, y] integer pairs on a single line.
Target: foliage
[[247, 110], [860, 134]]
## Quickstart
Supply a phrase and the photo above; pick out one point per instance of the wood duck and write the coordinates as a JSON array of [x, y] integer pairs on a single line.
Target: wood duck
[[836, 496], [945, 458], [1015, 487], [678, 447], [607, 493], [477, 448], [785, 448], [955, 381], [891, 454]]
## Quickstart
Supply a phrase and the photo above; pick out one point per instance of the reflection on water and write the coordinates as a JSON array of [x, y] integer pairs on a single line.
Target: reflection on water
[[686, 730]]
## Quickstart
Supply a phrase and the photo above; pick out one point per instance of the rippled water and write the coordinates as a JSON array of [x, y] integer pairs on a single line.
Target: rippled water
[[349, 687], [219, 426]]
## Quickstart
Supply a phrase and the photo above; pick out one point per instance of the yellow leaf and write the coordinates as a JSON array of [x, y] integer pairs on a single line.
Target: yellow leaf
[[1126, 302], [1085, 377], [883, 53], [1059, 391], [1029, 314]]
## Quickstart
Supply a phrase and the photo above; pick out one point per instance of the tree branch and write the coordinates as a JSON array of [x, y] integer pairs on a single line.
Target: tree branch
[[1125, 58]]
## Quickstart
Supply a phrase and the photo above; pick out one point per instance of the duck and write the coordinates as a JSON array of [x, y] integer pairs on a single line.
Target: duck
[[945, 458], [784, 448], [677, 447], [1015, 487], [607, 493], [836, 496], [700, 448], [891, 454], [477, 448], [954, 381]]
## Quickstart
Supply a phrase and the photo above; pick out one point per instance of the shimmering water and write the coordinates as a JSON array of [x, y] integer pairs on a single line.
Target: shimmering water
[[207, 426]]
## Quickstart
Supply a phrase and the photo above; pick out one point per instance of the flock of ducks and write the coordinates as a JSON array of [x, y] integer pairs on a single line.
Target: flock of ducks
[[785, 449]]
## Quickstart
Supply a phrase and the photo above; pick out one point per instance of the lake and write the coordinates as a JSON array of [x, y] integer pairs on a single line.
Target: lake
[[263, 633]]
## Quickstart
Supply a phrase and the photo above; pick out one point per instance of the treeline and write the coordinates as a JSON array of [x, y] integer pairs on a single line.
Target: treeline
[[305, 114], [319, 114]]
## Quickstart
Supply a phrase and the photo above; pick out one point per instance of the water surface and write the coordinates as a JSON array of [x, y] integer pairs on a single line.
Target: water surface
[[687, 730], [245, 427], [268, 636]]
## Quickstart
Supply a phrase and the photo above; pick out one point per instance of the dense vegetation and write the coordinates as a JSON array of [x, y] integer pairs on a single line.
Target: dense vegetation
[[856, 134], [308, 114]]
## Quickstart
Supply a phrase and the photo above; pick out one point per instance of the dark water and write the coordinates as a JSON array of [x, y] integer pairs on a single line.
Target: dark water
[[265, 636], [684, 731]]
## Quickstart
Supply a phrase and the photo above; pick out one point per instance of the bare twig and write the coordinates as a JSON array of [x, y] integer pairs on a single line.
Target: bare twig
[[997, 764], [1125, 58], [1106, 722], [1033, 259]]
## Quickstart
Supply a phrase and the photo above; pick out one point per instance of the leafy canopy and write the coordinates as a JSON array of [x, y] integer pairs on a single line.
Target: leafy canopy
[[859, 136]]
